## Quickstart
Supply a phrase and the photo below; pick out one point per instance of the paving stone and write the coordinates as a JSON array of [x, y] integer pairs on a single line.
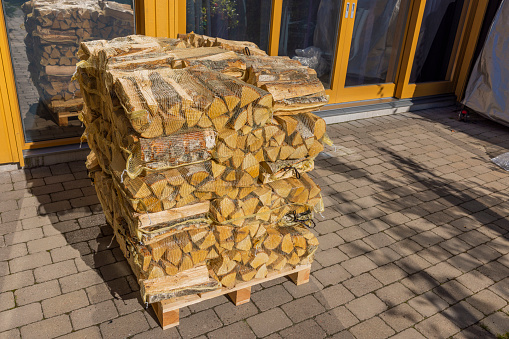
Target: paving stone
[[6, 301], [304, 330], [271, 297], [330, 257], [37, 292], [158, 332], [373, 328], [473, 332], [501, 288], [463, 314], [23, 236], [48, 328], [401, 317], [69, 252], [383, 256], [124, 326], [475, 281], [300, 291], [12, 334], [437, 326], [64, 303], [329, 240], [199, 323], [336, 320], [334, 296], [366, 307], [486, 301], [494, 271], [229, 313], [55, 271], [452, 291], [104, 291], [362, 284], [80, 280], [484, 253], [358, 265], [303, 308], [331, 275], [355, 248], [93, 314], [497, 323], [464, 262], [46, 243], [15, 281], [394, 294], [408, 333], [30, 261], [434, 254], [238, 330], [388, 273], [20, 316]]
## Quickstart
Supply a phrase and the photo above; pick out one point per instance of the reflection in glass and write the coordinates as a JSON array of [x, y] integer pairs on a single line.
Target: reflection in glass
[[44, 37], [376, 41], [240, 20], [309, 31], [435, 46]]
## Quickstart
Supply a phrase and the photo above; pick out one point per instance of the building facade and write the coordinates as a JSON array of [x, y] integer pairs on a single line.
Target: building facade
[[363, 51]]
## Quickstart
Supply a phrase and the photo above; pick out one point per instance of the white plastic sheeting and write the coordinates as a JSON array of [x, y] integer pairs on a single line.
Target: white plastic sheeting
[[488, 88]]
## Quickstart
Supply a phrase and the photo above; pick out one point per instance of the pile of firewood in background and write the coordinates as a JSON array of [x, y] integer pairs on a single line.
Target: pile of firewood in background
[[55, 28], [199, 158]]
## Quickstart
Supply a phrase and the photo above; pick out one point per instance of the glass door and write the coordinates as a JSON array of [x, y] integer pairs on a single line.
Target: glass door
[[433, 48], [309, 32], [370, 55]]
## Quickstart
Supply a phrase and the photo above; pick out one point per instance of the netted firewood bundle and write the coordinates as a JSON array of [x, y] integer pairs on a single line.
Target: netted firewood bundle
[[295, 88], [228, 63], [161, 272], [291, 198], [243, 258], [294, 137], [99, 52], [176, 253], [147, 228], [165, 101], [137, 155], [243, 47], [55, 28]]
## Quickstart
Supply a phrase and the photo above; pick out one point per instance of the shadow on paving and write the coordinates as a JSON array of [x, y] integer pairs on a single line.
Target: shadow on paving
[[419, 193], [76, 214]]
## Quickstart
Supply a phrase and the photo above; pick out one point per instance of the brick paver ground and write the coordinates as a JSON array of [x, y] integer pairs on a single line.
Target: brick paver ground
[[414, 243]]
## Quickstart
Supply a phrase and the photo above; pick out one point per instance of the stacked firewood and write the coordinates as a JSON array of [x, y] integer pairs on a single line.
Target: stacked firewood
[[55, 28], [202, 184]]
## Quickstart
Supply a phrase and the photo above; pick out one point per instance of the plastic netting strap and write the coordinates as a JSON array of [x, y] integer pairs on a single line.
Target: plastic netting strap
[[291, 168], [229, 221], [176, 225]]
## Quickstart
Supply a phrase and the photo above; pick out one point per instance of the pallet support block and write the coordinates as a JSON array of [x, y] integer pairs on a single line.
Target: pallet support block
[[241, 297], [166, 319], [301, 277], [167, 311]]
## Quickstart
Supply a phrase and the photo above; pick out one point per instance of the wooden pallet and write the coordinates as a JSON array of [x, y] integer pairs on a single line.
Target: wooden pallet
[[167, 311], [63, 110], [62, 118]]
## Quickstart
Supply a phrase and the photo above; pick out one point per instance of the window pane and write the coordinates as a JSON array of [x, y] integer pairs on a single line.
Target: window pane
[[240, 20], [309, 31], [440, 23], [376, 41], [44, 36]]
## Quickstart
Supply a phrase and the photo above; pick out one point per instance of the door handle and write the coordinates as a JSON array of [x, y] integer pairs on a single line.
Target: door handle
[[353, 9], [347, 9]]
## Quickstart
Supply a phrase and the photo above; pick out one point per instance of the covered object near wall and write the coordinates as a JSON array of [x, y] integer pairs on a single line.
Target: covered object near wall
[[488, 88]]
